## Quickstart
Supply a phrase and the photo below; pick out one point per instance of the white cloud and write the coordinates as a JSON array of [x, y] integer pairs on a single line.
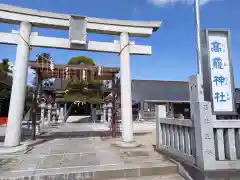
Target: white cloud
[[167, 2]]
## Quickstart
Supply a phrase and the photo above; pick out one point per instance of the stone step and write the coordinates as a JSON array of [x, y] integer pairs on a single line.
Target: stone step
[[168, 177], [105, 172]]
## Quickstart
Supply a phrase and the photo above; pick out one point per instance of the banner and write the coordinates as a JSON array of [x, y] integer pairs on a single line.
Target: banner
[[218, 69]]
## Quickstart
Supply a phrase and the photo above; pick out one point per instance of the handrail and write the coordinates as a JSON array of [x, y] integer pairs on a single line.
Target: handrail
[[226, 124], [180, 122]]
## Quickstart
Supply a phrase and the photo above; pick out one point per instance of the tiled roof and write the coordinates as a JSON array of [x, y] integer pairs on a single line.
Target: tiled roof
[[153, 90], [165, 91], [60, 84]]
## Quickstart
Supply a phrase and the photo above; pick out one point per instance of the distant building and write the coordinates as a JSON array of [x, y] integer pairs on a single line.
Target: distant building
[[175, 94]]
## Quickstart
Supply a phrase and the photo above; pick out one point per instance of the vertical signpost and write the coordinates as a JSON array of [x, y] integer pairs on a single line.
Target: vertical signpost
[[217, 71]]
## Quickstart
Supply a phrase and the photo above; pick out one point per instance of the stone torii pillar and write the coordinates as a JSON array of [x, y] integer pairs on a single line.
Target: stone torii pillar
[[126, 96], [15, 114]]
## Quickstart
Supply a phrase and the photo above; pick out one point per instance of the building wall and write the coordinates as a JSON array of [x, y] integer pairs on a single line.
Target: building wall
[[177, 110]]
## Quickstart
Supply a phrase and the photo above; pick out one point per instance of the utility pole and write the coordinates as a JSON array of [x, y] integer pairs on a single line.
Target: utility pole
[[198, 36]]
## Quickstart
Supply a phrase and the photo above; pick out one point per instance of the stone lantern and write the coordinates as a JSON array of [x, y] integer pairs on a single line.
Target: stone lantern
[[54, 113], [49, 112], [42, 106]]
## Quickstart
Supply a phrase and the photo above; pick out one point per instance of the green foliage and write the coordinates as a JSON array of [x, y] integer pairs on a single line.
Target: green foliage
[[5, 91], [90, 91], [81, 92], [43, 57], [81, 60], [84, 96], [4, 66], [5, 85]]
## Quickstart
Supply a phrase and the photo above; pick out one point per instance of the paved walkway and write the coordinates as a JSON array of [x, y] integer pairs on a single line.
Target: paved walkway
[[70, 148]]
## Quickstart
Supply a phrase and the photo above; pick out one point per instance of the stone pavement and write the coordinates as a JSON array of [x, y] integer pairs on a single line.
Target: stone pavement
[[168, 177], [71, 152]]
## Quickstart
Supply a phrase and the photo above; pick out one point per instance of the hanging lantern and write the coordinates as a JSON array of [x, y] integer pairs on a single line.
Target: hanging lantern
[[51, 66], [84, 74], [99, 70], [66, 72]]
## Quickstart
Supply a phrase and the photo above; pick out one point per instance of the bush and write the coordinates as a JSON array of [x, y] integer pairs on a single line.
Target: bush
[[81, 60]]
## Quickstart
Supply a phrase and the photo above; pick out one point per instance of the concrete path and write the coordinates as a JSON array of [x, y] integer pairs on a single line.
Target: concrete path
[[143, 127], [72, 148]]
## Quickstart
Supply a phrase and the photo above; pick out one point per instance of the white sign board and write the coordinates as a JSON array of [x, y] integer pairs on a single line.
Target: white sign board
[[220, 72]]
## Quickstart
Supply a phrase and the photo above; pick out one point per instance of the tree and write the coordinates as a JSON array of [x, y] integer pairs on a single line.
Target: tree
[[5, 83], [5, 78], [90, 91], [81, 60], [43, 57], [4, 66]]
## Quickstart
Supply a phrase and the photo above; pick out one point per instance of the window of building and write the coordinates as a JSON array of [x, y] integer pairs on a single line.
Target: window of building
[[149, 107]]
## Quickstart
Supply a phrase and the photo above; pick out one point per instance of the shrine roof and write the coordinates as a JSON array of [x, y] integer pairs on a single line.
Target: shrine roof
[[164, 91], [69, 72], [34, 65]]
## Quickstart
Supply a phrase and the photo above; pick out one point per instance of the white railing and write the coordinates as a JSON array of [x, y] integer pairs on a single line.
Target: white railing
[[227, 143], [203, 141], [148, 115], [177, 138]]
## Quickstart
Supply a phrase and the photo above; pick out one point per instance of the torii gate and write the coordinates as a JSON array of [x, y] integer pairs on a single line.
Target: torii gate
[[78, 27]]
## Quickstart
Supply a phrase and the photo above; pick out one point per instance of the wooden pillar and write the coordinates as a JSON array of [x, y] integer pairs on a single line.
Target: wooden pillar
[[34, 109], [114, 107]]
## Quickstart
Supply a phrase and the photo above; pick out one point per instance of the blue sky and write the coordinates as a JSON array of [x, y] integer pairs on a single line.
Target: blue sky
[[174, 52]]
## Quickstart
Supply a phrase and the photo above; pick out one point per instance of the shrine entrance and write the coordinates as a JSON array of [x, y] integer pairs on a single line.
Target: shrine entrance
[[84, 109], [69, 76], [78, 27]]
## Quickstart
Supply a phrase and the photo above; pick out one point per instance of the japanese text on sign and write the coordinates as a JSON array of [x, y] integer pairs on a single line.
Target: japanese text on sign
[[220, 73]]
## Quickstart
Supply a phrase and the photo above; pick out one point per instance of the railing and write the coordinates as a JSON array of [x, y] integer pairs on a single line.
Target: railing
[[227, 143], [149, 115], [204, 141], [177, 138]]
